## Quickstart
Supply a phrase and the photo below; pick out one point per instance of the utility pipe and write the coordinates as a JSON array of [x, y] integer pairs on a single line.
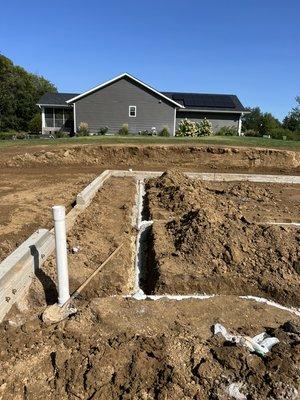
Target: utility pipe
[[59, 216]]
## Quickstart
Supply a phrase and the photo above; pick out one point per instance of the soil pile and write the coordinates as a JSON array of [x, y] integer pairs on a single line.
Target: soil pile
[[184, 156], [260, 202], [204, 244], [91, 357]]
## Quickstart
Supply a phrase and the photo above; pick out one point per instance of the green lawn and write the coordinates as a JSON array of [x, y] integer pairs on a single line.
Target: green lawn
[[207, 140]]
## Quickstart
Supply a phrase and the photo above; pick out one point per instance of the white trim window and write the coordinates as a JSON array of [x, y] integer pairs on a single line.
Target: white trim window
[[132, 111]]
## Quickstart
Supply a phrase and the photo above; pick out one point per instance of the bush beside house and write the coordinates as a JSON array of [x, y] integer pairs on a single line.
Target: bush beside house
[[227, 131], [164, 132], [190, 128], [83, 129], [124, 130]]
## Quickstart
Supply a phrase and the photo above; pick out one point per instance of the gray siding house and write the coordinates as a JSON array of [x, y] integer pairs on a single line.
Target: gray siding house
[[127, 100]]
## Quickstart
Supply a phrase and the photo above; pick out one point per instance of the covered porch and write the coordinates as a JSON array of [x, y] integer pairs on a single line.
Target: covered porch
[[57, 118]]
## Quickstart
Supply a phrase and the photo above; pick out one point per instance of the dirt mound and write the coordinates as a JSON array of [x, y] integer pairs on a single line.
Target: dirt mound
[[161, 156], [202, 244], [87, 358]]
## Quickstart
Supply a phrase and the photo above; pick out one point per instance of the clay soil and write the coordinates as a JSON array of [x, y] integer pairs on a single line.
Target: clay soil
[[118, 348], [126, 349], [204, 240]]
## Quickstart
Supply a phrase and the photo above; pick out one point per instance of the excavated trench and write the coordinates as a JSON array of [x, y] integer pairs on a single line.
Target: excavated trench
[[229, 256]]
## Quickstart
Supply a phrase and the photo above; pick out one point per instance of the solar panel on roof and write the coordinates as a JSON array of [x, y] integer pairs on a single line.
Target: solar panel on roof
[[208, 101], [204, 100]]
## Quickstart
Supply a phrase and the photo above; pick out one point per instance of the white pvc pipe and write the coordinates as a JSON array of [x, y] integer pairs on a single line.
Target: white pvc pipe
[[59, 214]]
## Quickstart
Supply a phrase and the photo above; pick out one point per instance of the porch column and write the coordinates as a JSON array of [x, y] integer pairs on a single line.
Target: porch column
[[174, 123], [43, 120], [240, 125], [74, 118]]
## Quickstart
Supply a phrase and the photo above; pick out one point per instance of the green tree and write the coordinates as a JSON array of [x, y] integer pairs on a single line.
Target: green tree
[[35, 124], [19, 93], [252, 120], [263, 123], [292, 120], [268, 123]]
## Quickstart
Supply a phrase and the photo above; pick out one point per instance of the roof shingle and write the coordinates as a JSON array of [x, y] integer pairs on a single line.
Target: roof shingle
[[57, 99], [189, 101]]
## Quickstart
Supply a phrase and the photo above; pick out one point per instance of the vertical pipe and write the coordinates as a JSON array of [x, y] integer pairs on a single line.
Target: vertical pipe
[[61, 254]]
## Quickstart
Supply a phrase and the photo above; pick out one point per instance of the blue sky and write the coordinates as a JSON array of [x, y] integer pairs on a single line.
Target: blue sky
[[249, 48]]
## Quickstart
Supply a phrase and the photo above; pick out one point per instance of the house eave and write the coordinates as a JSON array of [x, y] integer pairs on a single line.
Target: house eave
[[214, 111], [54, 105]]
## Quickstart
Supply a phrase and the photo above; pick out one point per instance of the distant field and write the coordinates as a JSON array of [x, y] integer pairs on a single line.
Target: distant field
[[207, 140]]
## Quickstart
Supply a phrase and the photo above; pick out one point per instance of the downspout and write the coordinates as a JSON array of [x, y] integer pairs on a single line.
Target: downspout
[[240, 125]]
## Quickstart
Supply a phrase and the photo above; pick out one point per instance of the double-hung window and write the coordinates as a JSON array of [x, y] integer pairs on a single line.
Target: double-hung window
[[132, 111]]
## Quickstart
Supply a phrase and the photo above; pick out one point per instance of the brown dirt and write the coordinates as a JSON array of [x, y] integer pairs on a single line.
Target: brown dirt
[[204, 244], [259, 202], [98, 231], [34, 178], [124, 349], [204, 158], [26, 197], [116, 348]]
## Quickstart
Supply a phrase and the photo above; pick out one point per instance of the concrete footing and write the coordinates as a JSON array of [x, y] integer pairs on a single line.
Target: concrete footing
[[211, 176], [86, 196], [17, 270]]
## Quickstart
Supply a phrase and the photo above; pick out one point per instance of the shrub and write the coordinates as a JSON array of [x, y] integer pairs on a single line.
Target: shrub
[[60, 134], [153, 131], [187, 128], [124, 131], [22, 135], [205, 128], [292, 135], [102, 131], [35, 124], [164, 132], [251, 133], [83, 129], [227, 131], [7, 135], [282, 133], [278, 133], [144, 133]]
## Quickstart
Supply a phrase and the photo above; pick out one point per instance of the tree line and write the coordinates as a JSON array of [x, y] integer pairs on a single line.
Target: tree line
[[257, 123], [19, 92]]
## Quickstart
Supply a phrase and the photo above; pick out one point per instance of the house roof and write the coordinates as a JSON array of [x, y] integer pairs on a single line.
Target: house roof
[[187, 101], [128, 76], [207, 102], [56, 99]]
